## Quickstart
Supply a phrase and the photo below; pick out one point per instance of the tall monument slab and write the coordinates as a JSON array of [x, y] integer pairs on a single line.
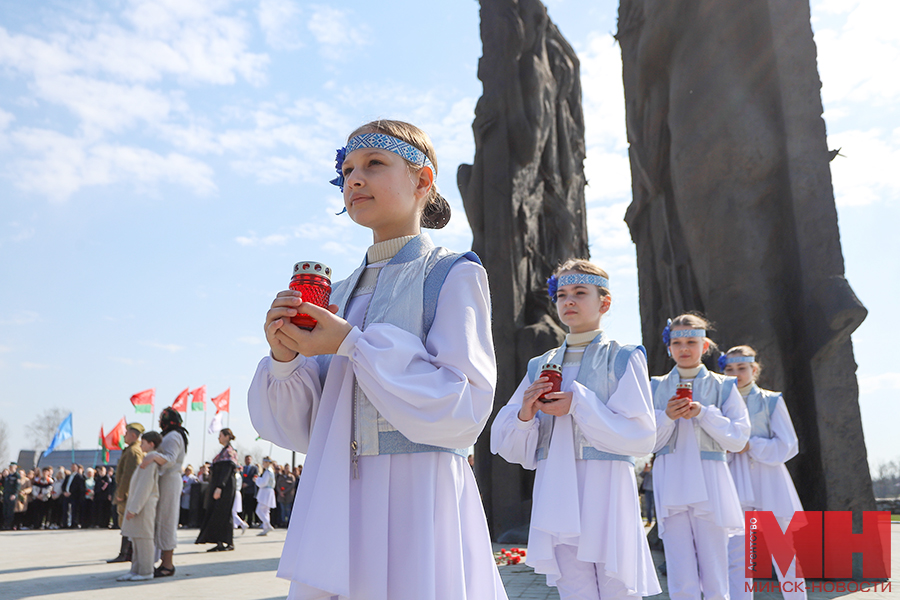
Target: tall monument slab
[[733, 212], [524, 198]]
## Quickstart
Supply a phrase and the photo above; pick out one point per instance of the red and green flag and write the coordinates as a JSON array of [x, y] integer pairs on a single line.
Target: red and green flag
[[198, 398], [223, 401], [180, 403], [102, 445], [115, 439], [143, 401]]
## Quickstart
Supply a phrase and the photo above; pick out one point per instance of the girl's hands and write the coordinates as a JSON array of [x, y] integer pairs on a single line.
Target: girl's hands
[[530, 403], [682, 408], [560, 405], [287, 340], [217, 493]]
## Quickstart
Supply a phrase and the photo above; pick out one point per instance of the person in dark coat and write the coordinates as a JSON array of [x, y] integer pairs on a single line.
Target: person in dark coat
[[73, 492], [248, 489], [10, 485], [218, 527]]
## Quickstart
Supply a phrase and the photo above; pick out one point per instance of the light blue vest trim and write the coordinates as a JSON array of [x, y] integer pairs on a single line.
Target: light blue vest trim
[[596, 375], [760, 405], [406, 295], [709, 389]]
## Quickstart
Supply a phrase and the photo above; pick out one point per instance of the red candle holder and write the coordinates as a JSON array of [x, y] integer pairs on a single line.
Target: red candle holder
[[313, 281], [554, 374], [684, 390]]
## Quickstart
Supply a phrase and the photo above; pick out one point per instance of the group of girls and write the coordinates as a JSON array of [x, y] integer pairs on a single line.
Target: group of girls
[[395, 382]]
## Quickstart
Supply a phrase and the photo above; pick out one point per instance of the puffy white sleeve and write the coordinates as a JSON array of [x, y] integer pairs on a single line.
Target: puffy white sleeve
[[783, 444], [283, 400], [440, 392], [665, 427], [627, 423], [513, 439], [730, 426]]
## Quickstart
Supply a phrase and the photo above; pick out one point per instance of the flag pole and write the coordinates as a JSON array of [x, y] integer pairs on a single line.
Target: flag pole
[[203, 431], [73, 439]]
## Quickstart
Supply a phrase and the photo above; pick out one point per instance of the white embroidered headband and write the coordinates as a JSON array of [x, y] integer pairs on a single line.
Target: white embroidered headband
[[382, 141], [687, 333]]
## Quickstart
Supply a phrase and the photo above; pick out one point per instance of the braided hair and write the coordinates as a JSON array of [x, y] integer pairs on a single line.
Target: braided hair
[[170, 420]]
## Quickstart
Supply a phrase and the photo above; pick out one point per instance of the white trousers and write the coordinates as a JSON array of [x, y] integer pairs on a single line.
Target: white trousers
[[143, 556], [580, 580], [796, 588], [263, 513], [696, 557]]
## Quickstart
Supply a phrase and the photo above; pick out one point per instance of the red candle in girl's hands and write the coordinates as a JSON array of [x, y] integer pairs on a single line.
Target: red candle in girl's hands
[[313, 281], [554, 374], [684, 390]]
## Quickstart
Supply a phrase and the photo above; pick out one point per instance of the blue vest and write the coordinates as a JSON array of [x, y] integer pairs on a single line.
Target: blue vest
[[603, 364], [761, 404], [406, 296], [709, 389]]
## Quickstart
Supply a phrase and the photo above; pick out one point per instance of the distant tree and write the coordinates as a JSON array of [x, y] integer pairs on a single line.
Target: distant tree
[[42, 429], [4, 442], [886, 483]]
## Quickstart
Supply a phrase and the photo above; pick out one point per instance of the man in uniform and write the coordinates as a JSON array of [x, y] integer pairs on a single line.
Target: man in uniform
[[10, 486], [131, 458]]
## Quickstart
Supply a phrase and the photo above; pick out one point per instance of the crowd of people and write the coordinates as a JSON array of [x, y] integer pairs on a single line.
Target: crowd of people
[[44, 498]]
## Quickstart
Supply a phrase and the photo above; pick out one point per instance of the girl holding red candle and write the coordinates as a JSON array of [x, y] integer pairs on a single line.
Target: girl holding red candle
[[385, 394], [762, 480], [581, 435], [697, 506]]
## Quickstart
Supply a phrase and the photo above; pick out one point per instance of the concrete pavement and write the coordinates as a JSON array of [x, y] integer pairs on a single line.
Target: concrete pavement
[[71, 565]]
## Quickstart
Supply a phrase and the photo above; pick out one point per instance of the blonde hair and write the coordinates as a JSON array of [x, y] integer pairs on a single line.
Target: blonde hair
[[436, 212], [745, 350], [694, 320], [583, 265]]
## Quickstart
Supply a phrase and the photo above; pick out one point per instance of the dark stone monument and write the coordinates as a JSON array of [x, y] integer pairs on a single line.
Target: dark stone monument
[[733, 213], [524, 198]]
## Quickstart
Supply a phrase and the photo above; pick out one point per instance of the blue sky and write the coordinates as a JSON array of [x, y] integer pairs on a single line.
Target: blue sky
[[163, 163]]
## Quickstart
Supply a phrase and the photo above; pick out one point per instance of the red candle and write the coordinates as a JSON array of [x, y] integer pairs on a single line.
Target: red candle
[[554, 374], [313, 281], [684, 390]]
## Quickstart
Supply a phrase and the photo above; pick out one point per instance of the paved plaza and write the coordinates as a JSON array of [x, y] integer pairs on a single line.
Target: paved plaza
[[71, 565]]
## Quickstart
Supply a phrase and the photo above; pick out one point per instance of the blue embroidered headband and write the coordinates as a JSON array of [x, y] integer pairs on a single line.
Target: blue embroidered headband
[[730, 360], [554, 283], [668, 334], [382, 141]]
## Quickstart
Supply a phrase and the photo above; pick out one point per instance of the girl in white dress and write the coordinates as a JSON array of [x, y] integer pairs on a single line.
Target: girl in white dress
[[385, 395], [586, 531], [762, 480], [265, 495], [697, 506]]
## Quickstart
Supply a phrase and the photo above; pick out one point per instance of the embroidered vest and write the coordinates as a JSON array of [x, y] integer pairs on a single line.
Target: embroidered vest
[[406, 296], [709, 389], [761, 404], [603, 364]]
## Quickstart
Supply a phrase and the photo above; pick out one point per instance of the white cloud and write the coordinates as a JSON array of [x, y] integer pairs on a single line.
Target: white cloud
[[280, 22], [167, 347], [865, 174], [23, 317], [5, 119], [333, 29], [855, 61], [35, 366], [57, 166], [5, 349], [877, 383], [126, 361]]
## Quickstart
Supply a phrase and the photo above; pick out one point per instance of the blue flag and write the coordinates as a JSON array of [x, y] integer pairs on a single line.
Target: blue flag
[[63, 433]]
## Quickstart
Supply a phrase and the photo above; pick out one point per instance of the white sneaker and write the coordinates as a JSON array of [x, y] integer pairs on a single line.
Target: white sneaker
[[263, 533], [141, 577], [244, 527], [125, 577]]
